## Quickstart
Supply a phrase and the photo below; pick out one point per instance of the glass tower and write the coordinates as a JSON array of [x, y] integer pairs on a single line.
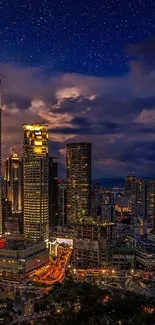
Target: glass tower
[[35, 182], [78, 161]]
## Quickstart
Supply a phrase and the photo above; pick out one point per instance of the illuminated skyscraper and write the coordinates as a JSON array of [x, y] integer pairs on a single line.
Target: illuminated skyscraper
[[36, 182], [78, 161], [12, 182]]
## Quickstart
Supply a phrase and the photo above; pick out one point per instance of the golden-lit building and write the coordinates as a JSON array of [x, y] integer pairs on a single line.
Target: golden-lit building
[[35, 182], [78, 163], [12, 182]]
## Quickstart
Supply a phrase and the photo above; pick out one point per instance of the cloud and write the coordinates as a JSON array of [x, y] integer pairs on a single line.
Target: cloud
[[116, 114], [142, 67], [146, 117]]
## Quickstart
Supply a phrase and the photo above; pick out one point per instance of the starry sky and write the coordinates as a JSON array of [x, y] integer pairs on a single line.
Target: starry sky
[[87, 68]]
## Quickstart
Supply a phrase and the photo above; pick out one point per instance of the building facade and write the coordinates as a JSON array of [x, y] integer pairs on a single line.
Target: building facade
[[130, 185], [96, 196], [150, 201], [78, 163], [18, 257], [92, 243], [53, 192], [36, 182], [108, 213], [145, 255], [6, 212], [12, 182], [62, 185], [139, 205]]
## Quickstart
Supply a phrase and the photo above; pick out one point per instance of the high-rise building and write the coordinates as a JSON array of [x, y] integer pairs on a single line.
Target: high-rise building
[[107, 197], [96, 196], [53, 192], [1, 218], [78, 161], [36, 182], [62, 185], [12, 182], [130, 185], [150, 201], [139, 204], [108, 213], [6, 212]]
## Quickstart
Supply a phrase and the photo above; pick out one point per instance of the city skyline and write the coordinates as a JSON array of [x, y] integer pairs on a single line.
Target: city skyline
[[90, 78], [77, 155]]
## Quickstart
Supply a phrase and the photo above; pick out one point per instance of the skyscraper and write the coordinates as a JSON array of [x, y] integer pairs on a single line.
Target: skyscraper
[[139, 205], [1, 219], [150, 201], [78, 161], [62, 185], [96, 196], [53, 192], [130, 185], [12, 182], [36, 182]]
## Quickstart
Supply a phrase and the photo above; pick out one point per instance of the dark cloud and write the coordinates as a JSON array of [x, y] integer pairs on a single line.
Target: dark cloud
[[116, 114], [144, 52]]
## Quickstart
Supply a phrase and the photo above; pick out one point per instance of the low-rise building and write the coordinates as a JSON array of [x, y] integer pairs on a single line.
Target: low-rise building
[[123, 258], [18, 257], [145, 255]]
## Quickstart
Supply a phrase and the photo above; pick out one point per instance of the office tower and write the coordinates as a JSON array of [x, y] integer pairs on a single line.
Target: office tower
[[1, 218], [36, 182], [53, 192], [150, 201], [62, 185], [78, 161], [12, 182], [130, 185]]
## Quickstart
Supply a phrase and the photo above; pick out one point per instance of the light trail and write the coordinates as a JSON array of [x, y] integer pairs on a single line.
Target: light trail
[[53, 273]]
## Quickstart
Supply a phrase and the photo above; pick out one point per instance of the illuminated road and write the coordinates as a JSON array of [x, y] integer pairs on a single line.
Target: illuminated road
[[52, 273]]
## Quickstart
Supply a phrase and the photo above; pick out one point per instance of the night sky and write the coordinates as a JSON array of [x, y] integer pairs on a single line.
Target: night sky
[[87, 69]]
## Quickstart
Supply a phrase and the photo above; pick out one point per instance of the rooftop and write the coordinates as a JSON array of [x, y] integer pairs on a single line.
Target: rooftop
[[125, 250], [15, 244], [91, 221]]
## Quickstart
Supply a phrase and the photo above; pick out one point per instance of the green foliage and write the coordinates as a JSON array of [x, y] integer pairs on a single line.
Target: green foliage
[[83, 304]]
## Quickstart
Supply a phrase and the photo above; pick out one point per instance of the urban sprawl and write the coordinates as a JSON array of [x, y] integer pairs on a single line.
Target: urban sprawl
[[58, 234]]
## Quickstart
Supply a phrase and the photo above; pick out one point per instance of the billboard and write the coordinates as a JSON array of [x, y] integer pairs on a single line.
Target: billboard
[[66, 241]]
